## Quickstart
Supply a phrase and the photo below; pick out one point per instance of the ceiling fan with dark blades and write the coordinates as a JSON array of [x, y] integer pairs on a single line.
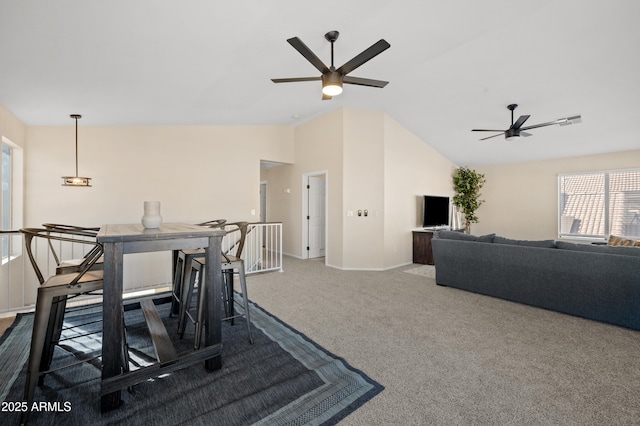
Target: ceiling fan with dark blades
[[516, 130], [332, 78]]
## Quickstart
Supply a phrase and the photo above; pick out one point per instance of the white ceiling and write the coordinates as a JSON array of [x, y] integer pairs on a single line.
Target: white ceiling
[[453, 65]]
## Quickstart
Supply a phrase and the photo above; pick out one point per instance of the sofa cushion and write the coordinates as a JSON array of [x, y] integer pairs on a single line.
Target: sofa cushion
[[594, 248], [599, 248], [454, 235], [540, 243], [502, 240], [461, 236], [620, 241]]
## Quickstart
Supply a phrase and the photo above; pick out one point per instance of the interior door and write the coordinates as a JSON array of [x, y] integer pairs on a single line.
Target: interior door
[[317, 226], [263, 201]]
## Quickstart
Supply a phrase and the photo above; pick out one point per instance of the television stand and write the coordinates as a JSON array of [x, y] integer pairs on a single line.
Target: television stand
[[422, 252]]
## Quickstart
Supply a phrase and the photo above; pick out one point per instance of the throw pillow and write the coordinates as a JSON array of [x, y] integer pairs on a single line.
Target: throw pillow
[[598, 248], [620, 241], [486, 238]]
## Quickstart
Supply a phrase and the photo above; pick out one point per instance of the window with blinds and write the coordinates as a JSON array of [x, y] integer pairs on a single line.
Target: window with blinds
[[599, 204]]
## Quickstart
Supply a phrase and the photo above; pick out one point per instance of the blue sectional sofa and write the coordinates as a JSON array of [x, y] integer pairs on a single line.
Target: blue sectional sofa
[[598, 282]]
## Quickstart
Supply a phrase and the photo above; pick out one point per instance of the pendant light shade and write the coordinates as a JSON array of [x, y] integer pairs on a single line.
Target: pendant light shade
[[76, 180]]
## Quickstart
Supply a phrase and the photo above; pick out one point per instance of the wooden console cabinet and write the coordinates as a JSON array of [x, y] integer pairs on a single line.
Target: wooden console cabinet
[[422, 247]]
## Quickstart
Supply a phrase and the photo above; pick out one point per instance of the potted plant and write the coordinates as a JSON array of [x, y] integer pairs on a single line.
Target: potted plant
[[467, 184]]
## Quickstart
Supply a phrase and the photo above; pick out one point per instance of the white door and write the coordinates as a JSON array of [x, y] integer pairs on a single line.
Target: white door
[[263, 201], [316, 218]]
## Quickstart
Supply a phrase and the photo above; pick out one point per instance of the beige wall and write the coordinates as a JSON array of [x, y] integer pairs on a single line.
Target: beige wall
[[363, 189], [318, 148], [11, 127], [522, 199], [197, 173], [411, 169], [373, 164]]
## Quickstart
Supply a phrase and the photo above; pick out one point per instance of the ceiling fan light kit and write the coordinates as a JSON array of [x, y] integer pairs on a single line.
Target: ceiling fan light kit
[[515, 131], [332, 78], [332, 83]]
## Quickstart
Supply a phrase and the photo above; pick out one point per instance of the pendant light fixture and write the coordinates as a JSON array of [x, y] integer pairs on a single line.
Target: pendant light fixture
[[76, 180]]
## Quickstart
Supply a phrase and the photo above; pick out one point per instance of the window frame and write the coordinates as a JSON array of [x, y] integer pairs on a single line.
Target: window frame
[[11, 246], [5, 201], [606, 207]]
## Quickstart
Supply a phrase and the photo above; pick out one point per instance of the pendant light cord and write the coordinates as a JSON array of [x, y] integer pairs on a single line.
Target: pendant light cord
[[76, 117]]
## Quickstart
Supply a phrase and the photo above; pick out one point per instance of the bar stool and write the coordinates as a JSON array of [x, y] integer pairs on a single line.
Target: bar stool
[[229, 264], [52, 293], [182, 272], [67, 266]]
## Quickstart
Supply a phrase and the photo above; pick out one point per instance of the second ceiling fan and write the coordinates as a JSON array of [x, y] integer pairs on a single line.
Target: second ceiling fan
[[332, 78], [515, 131]]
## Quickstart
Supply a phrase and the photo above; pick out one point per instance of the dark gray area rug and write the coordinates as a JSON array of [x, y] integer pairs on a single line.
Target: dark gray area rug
[[282, 378]]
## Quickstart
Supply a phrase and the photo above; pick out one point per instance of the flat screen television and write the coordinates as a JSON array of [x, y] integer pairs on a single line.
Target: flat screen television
[[436, 211]]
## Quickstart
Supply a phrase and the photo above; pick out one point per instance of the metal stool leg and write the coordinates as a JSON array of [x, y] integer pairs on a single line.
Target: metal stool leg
[[52, 336], [188, 283], [245, 298], [229, 305], [228, 302], [187, 293], [179, 266], [202, 289], [38, 337], [186, 288], [227, 270]]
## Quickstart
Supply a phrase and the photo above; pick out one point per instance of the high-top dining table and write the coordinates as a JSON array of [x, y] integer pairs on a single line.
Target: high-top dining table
[[119, 240]]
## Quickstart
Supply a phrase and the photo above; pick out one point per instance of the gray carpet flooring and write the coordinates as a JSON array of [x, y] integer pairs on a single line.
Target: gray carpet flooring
[[450, 357]]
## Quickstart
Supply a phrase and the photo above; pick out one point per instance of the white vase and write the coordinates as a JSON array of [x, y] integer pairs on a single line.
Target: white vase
[[151, 218]]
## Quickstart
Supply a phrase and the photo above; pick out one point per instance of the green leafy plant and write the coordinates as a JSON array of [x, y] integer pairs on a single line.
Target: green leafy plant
[[467, 184]]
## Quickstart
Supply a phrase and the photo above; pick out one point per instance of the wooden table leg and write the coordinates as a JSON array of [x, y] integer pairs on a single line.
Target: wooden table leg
[[112, 321], [213, 294]]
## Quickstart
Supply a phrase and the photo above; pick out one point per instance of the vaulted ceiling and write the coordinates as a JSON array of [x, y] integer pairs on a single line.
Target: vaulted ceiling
[[453, 65]]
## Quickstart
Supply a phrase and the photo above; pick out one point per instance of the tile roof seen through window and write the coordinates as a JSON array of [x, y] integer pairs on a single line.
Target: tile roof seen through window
[[583, 204]]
